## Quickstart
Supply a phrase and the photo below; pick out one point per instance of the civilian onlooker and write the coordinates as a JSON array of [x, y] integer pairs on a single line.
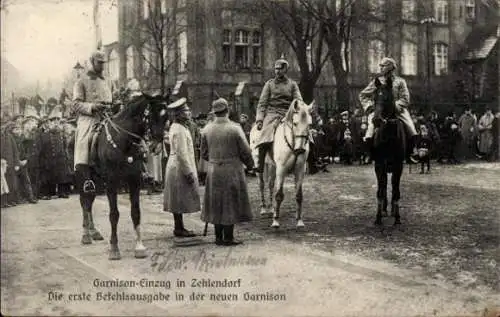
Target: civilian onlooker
[[467, 127], [485, 129], [10, 154]]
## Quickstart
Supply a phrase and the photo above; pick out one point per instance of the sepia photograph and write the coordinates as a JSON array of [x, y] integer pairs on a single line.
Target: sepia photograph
[[250, 158]]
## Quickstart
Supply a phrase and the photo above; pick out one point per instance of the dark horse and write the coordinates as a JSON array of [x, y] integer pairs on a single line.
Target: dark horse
[[120, 150], [388, 152]]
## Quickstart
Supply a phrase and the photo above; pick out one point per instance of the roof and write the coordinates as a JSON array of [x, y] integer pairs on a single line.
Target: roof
[[483, 50]]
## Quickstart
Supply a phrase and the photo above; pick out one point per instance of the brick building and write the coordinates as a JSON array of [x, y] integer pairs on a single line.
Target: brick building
[[221, 49]]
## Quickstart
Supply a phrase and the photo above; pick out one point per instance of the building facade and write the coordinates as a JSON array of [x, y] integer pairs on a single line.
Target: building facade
[[218, 48]]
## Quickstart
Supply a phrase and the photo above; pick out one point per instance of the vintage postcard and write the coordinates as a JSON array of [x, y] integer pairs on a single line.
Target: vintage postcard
[[250, 158]]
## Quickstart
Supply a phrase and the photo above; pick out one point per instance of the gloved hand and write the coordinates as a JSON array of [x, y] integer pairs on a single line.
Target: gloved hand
[[100, 107], [259, 125]]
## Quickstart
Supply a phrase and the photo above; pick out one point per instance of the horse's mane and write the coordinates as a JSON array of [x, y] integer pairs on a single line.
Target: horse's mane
[[130, 109]]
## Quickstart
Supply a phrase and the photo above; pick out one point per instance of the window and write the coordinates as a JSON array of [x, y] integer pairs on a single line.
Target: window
[[470, 9], [182, 45], [377, 8], [376, 51], [146, 8], [409, 58], [409, 10], [441, 11], [241, 49], [114, 65], [309, 55], [226, 49], [163, 6], [130, 62], [256, 50], [440, 59]]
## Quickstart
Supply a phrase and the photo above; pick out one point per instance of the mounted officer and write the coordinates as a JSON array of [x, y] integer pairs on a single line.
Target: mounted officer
[[402, 101], [91, 95], [275, 99]]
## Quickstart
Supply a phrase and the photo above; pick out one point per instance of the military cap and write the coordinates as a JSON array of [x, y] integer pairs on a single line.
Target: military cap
[[219, 105], [344, 113], [388, 61], [281, 62], [98, 56], [178, 105]]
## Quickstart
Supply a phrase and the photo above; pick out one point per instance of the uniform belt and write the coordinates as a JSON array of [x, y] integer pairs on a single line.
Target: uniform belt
[[224, 161]]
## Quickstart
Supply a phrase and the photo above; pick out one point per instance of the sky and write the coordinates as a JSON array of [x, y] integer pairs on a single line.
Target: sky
[[44, 39]]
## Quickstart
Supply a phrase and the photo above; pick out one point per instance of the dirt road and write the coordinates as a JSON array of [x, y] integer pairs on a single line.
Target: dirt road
[[45, 271]]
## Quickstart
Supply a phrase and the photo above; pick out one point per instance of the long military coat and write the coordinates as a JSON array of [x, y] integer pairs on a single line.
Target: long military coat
[[10, 153], [54, 162], [178, 195], [87, 92], [224, 146], [274, 101]]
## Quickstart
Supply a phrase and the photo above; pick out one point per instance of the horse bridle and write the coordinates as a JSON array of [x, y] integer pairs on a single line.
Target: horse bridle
[[109, 122], [298, 152]]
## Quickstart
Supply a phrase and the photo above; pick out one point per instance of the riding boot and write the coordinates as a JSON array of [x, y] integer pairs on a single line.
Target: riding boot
[[229, 236], [311, 162], [263, 149], [219, 234], [412, 141], [179, 230]]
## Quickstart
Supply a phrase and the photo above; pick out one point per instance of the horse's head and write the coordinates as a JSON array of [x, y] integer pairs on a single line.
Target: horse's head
[[157, 117], [299, 120], [384, 98]]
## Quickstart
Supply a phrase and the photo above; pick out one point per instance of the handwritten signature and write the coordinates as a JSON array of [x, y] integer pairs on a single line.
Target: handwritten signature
[[202, 261]]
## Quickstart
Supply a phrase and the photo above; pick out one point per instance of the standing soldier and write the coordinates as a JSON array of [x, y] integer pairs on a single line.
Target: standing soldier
[[224, 146], [24, 182], [181, 189], [402, 101], [91, 95], [275, 99]]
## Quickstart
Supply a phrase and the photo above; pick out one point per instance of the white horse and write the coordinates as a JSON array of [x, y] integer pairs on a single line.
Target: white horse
[[290, 151]]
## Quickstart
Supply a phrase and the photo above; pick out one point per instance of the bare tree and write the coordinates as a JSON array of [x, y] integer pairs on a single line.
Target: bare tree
[[157, 37], [336, 17], [304, 33]]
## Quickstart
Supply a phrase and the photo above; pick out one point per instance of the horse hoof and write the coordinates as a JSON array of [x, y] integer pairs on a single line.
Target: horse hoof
[[114, 253], [140, 253], [300, 224], [275, 224], [86, 239], [96, 235]]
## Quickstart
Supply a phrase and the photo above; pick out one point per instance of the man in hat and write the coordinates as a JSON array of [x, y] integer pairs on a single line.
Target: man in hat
[[91, 95], [226, 202], [181, 190], [402, 101], [275, 99]]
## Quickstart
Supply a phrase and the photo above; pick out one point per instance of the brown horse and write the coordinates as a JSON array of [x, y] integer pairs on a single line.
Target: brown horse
[[120, 157]]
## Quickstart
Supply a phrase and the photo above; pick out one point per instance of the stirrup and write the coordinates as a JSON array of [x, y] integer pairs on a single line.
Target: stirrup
[[89, 186]]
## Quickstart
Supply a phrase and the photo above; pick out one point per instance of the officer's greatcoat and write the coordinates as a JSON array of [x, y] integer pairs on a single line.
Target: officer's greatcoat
[[275, 99], [224, 146], [87, 92]]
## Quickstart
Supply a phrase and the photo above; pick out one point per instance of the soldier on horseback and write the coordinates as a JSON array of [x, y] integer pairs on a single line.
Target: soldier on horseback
[[274, 102], [91, 95], [402, 101]]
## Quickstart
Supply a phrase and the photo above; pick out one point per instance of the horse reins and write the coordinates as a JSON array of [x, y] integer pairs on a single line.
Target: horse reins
[[295, 153], [109, 122]]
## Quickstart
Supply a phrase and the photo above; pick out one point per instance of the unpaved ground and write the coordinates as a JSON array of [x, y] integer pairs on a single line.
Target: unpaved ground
[[339, 265]]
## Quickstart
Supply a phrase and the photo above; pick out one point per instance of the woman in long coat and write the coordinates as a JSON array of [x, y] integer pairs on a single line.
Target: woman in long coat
[[224, 146], [181, 191]]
